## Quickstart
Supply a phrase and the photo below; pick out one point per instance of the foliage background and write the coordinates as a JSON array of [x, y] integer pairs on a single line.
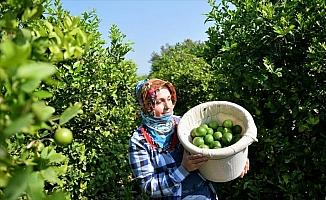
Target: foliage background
[[269, 57]]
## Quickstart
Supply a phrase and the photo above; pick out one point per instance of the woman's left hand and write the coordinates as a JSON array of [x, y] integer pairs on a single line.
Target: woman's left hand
[[246, 169]]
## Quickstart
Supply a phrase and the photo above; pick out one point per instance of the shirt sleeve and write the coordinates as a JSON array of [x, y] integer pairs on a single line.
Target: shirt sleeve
[[163, 181]]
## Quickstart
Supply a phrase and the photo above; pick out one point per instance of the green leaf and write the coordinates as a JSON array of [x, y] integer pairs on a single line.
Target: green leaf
[[28, 13], [36, 70], [45, 152], [62, 169], [278, 30], [42, 111], [303, 127], [69, 113], [35, 186], [18, 183], [42, 94], [3, 74], [49, 26], [55, 157], [81, 37], [19, 124], [313, 120], [57, 195], [12, 54], [271, 68], [50, 175], [285, 178], [30, 85], [4, 177]]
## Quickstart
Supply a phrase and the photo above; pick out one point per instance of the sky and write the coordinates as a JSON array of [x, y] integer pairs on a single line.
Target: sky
[[148, 24]]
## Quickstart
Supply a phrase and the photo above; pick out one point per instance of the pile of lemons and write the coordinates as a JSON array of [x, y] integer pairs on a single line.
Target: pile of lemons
[[212, 135]]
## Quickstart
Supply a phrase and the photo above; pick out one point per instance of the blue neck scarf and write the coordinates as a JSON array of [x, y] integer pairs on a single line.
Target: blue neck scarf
[[160, 128]]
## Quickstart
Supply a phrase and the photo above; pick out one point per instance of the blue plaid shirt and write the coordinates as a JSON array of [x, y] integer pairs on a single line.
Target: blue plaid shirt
[[159, 172]]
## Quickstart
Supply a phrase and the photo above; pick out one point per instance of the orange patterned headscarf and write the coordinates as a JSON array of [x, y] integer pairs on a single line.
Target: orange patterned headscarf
[[146, 91]]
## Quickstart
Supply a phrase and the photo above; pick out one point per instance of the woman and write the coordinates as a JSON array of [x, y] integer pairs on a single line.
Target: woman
[[158, 161]]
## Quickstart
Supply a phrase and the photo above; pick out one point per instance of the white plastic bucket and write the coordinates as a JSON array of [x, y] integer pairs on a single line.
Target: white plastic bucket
[[224, 164]]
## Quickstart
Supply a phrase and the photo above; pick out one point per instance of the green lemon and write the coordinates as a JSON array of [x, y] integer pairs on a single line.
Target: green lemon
[[220, 128], [193, 132], [227, 137], [201, 131], [217, 135], [63, 136], [236, 138], [237, 129], [213, 124], [197, 141], [215, 145], [204, 146], [227, 130], [204, 125], [227, 123], [210, 131], [208, 139]]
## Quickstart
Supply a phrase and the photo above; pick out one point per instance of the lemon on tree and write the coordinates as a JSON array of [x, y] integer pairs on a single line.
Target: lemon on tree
[[63, 136]]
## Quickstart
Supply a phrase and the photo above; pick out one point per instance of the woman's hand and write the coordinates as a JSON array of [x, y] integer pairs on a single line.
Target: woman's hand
[[246, 169], [192, 162]]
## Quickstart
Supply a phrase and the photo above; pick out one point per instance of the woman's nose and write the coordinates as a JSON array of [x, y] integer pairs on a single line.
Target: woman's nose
[[167, 105]]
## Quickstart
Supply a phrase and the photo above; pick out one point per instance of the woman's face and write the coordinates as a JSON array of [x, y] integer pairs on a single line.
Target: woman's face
[[163, 103]]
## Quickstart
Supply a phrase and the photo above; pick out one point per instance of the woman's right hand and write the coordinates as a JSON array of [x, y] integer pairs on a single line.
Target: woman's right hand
[[192, 162]]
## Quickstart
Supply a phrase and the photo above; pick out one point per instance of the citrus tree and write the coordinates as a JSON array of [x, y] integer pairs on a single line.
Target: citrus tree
[[30, 48], [271, 56], [67, 106], [103, 82]]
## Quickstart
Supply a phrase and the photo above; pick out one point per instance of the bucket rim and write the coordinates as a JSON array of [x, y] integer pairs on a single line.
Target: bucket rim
[[249, 136]]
